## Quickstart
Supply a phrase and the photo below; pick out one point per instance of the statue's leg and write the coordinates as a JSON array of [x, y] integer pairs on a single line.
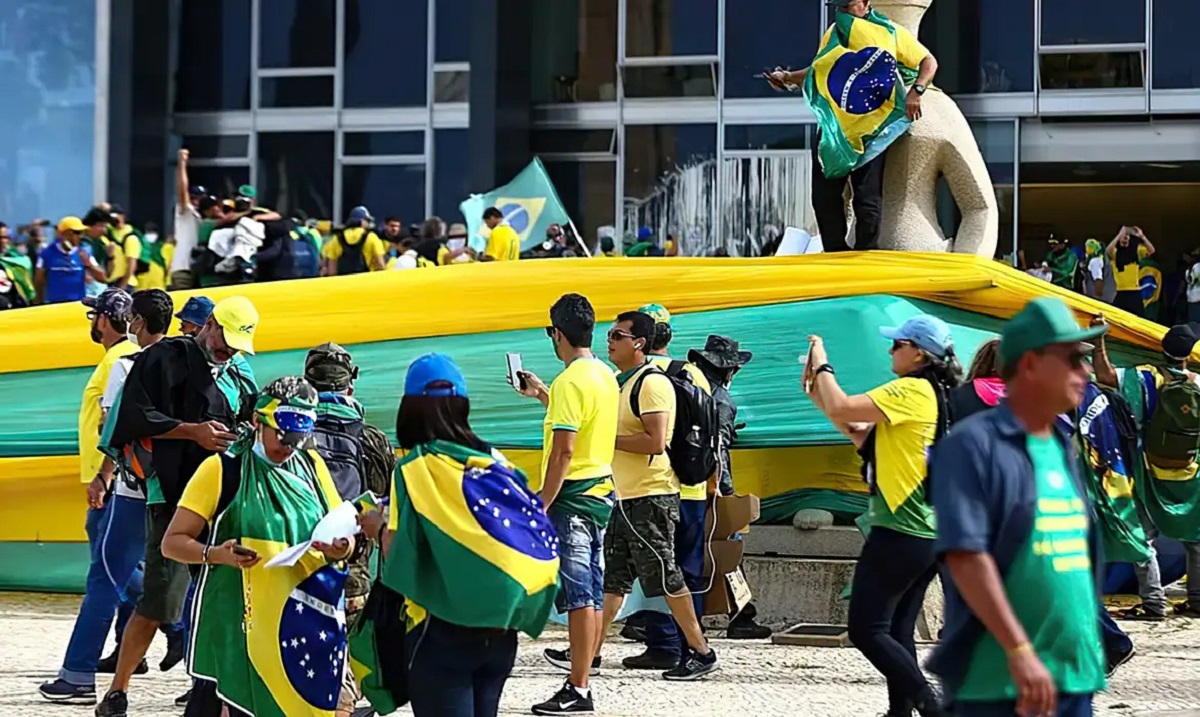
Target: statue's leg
[[867, 184], [829, 205]]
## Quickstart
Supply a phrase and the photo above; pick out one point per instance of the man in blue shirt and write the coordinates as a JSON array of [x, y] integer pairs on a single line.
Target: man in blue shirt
[[63, 265], [1016, 531]]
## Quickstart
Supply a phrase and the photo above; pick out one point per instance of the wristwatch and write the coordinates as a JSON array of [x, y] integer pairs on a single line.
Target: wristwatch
[[824, 368], [919, 89]]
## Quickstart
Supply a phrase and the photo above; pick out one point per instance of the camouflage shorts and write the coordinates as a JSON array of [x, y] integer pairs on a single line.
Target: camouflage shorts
[[640, 543]]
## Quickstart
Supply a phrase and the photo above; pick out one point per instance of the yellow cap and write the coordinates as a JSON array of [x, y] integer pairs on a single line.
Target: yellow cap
[[70, 224], [238, 317]]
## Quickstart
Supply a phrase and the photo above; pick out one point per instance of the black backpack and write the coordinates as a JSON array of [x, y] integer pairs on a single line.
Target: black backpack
[[352, 260], [694, 450], [340, 445]]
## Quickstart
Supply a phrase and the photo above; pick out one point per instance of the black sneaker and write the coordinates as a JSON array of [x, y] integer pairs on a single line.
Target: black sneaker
[[651, 659], [747, 630], [567, 701], [108, 665], [1141, 612], [562, 660], [1115, 661], [115, 704], [175, 649], [1186, 609], [693, 666], [182, 700], [634, 633], [62, 691]]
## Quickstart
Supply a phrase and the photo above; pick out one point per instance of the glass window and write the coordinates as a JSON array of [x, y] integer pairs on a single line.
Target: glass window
[[664, 28], [386, 190], [766, 136], [670, 175], [381, 37], [219, 181], [1093, 22], [762, 197], [451, 174], [451, 86], [214, 56], [297, 91], [296, 33], [575, 55], [673, 81], [570, 141], [588, 190], [47, 85], [453, 44], [1176, 62], [376, 143], [763, 34], [295, 172], [1091, 71], [217, 146], [997, 142], [981, 45]]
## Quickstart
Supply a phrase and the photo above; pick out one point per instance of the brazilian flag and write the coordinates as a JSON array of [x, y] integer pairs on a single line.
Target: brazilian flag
[[471, 541], [273, 639], [857, 87], [1150, 281], [19, 270]]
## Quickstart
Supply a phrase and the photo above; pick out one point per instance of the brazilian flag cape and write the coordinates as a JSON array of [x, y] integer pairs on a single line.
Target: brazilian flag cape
[[1150, 280], [856, 88], [273, 639], [1170, 497], [471, 543], [20, 270], [1107, 436]]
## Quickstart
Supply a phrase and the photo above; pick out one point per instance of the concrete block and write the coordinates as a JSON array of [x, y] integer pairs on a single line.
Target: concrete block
[[793, 590], [785, 541]]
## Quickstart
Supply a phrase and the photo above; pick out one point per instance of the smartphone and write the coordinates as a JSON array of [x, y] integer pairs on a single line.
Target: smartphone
[[515, 379], [804, 360], [244, 551]]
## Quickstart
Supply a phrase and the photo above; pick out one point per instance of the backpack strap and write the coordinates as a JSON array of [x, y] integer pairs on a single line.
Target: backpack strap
[[634, 402], [676, 367], [231, 480]]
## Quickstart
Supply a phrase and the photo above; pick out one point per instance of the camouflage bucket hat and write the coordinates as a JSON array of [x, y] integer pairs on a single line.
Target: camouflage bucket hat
[[330, 367]]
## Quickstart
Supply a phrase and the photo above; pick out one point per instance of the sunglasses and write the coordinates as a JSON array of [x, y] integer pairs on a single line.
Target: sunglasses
[[550, 331], [619, 335], [1075, 358], [91, 315], [901, 343]]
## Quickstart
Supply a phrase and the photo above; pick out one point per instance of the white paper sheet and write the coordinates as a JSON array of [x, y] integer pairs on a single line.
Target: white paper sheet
[[341, 522]]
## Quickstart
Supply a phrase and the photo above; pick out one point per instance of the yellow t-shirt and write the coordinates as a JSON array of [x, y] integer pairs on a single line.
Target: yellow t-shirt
[[373, 249], [157, 275], [901, 456], [583, 399], [688, 492], [202, 493], [637, 475], [503, 244], [126, 246], [1129, 278], [909, 50], [90, 459]]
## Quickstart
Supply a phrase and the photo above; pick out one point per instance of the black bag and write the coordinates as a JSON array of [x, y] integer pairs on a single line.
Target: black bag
[[352, 260], [340, 444], [694, 449]]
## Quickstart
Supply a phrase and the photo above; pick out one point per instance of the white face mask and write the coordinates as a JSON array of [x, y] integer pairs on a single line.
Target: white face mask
[[261, 451], [131, 338], [151, 237]]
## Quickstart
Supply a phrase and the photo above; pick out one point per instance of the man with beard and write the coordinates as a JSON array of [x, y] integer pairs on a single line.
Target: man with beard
[[182, 397]]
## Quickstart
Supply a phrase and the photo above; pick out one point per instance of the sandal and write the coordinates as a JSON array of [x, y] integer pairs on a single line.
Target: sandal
[[1139, 612]]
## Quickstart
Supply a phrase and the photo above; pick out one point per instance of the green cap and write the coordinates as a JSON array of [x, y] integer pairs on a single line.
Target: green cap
[[1043, 322], [658, 312], [247, 191]]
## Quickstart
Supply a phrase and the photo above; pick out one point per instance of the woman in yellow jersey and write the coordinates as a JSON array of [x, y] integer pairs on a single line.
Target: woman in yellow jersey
[[1122, 251], [894, 426]]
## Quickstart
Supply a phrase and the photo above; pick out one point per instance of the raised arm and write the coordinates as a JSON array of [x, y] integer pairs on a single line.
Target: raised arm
[[182, 200]]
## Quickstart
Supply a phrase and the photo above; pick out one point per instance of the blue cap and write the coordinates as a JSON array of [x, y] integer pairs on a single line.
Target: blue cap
[[432, 368], [196, 310], [359, 214], [929, 333], [645, 233]]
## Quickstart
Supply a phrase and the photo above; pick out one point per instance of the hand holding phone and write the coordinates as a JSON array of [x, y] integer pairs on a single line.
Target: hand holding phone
[[514, 371], [238, 556]]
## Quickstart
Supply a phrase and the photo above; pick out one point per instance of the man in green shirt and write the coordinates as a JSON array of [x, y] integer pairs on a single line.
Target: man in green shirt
[[1016, 531]]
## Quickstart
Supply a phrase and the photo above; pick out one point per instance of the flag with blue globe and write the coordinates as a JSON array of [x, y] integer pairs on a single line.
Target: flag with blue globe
[[529, 204]]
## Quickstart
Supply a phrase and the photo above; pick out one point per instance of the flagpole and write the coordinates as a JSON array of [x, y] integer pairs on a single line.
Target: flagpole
[[578, 238]]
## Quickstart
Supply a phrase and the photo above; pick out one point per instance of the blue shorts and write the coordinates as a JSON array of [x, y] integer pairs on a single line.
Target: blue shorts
[[580, 548]]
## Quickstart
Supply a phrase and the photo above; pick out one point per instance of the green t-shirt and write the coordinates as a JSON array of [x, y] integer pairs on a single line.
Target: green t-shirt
[[1052, 592]]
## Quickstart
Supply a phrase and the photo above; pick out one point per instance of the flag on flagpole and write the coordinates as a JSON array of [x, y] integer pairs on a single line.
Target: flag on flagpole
[[529, 204]]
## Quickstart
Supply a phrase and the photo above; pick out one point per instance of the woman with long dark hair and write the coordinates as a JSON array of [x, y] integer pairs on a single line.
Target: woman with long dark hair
[[894, 427], [476, 558], [983, 388]]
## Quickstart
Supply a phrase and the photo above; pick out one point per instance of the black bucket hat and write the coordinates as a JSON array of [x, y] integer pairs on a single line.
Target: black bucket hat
[[721, 352]]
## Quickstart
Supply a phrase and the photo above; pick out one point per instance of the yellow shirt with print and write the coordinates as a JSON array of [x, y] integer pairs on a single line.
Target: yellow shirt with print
[[909, 50], [637, 475], [901, 456], [202, 494], [503, 244], [583, 400], [689, 492], [373, 248], [124, 246], [90, 458]]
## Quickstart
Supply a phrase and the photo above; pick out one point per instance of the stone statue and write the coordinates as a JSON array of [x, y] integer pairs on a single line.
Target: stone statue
[[940, 143]]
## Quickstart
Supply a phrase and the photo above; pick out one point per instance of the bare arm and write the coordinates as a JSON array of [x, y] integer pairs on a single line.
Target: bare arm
[[180, 542], [839, 407], [650, 442], [1149, 247], [978, 581], [39, 284], [1106, 374], [927, 71], [183, 203], [562, 449], [1111, 250]]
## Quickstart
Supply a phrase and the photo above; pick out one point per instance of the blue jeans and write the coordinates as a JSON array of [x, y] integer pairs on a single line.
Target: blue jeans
[[117, 536], [580, 547], [457, 671], [1116, 642], [1068, 706], [662, 632]]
